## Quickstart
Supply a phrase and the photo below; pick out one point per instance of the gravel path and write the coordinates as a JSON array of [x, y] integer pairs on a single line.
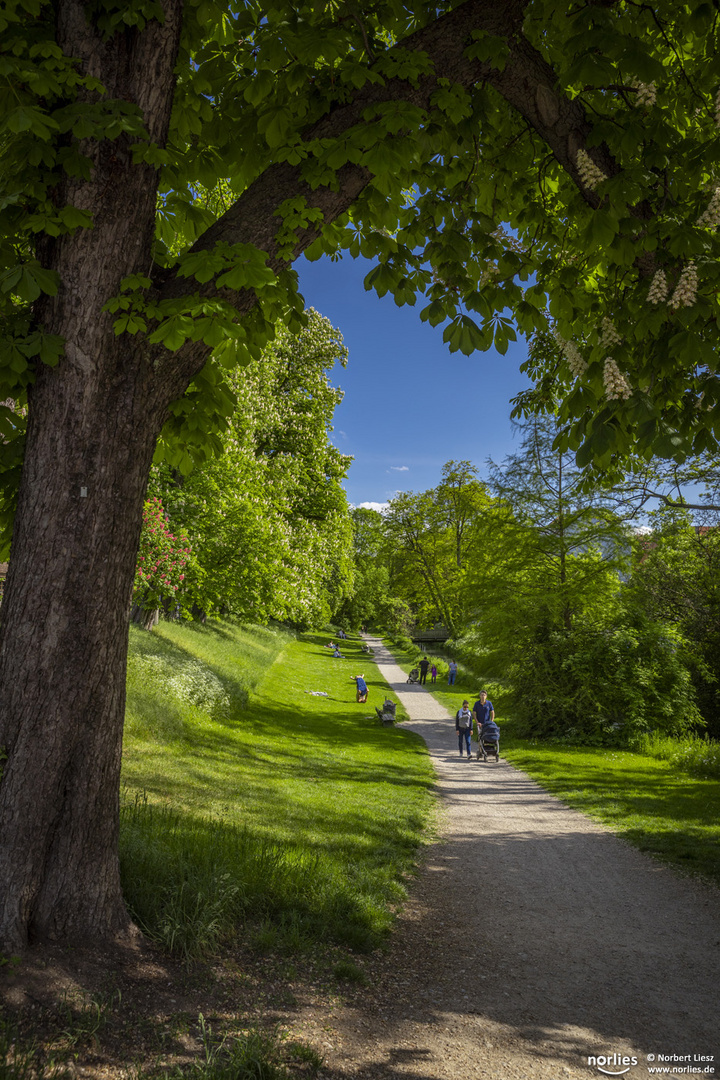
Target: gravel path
[[534, 939]]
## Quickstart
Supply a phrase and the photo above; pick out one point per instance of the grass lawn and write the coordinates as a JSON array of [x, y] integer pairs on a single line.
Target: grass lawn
[[249, 801], [651, 803]]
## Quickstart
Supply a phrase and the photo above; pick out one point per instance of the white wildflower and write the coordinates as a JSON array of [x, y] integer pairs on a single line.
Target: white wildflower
[[616, 385], [646, 93], [658, 291], [686, 289], [608, 334], [710, 219], [590, 174], [571, 353]]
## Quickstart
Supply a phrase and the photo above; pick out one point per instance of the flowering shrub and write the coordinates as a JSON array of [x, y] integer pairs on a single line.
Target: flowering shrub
[[191, 683], [162, 558]]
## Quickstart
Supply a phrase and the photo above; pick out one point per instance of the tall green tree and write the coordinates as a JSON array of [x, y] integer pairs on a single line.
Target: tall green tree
[[564, 541], [371, 602], [431, 535], [268, 519], [589, 130], [554, 619]]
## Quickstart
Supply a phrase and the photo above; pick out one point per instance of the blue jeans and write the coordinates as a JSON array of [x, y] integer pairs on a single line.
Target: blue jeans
[[464, 736], [451, 677]]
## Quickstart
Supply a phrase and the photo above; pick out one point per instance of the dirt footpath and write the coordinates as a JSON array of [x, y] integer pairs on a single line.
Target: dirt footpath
[[534, 940]]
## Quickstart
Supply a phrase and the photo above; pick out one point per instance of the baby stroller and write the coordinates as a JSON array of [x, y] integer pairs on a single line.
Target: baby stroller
[[414, 676], [489, 743]]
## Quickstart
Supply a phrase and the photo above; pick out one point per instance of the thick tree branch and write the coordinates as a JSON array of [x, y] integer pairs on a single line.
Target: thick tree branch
[[527, 83]]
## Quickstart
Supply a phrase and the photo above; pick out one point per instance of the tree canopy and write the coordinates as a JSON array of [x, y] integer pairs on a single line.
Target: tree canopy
[[268, 519]]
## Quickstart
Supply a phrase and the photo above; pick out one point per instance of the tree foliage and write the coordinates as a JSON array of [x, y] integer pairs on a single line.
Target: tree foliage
[[268, 518], [431, 536], [677, 580], [373, 601], [589, 132]]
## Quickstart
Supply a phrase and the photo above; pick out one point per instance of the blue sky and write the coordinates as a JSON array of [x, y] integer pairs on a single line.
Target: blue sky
[[410, 405]]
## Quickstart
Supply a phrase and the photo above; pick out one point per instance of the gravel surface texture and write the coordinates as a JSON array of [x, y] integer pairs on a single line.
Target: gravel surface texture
[[534, 940]]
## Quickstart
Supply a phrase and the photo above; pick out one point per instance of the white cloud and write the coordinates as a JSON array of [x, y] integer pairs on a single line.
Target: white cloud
[[380, 507], [399, 468]]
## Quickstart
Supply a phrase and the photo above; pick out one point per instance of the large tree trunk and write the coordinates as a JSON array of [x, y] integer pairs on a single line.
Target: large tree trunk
[[75, 555], [93, 424]]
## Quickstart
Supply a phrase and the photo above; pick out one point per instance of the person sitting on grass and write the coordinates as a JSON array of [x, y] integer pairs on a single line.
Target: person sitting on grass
[[362, 690], [337, 654]]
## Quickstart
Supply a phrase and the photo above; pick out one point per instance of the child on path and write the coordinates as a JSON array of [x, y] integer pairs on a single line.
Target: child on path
[[463, 726], [433, 674]]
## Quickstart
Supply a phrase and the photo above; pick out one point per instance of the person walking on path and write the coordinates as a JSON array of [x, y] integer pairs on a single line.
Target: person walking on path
[[424, 665], [463, 726], [483, 710], [433, 674], [452, 672]]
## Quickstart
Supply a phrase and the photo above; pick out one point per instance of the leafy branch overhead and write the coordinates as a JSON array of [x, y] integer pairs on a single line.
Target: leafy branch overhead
[[511, 164]]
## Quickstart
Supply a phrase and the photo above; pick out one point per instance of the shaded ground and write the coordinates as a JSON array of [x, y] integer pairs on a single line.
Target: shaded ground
[[535, 939]]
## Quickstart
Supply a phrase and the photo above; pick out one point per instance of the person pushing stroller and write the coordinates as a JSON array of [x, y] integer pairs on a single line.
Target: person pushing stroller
[[488, 733]]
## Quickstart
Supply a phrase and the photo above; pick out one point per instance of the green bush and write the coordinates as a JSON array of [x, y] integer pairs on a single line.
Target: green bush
[[604, 685]]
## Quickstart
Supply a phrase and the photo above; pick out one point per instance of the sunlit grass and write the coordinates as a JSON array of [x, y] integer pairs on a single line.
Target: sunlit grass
[[248, 798]]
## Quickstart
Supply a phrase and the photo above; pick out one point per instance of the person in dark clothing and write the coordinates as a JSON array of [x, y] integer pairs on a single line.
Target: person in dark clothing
[[487, 729], [424, 665], [464, 727]]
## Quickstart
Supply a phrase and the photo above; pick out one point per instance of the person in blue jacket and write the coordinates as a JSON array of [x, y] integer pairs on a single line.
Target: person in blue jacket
[[362, 690]]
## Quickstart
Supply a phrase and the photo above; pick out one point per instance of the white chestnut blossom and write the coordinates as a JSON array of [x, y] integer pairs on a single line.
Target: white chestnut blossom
[[608, 334], [646, 93], [616, 386], [590, 174], [686, 289], [508, 240], [710, 218], [658, 291], [570, 351]]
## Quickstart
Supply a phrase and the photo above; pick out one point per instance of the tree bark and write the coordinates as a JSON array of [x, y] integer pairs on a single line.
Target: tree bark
[[93, 424]]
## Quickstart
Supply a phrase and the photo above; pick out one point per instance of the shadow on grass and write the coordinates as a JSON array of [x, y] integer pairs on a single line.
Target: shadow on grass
[[290, 809]]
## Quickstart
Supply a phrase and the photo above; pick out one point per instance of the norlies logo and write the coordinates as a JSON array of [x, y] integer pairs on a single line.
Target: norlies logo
[[608, 1064]]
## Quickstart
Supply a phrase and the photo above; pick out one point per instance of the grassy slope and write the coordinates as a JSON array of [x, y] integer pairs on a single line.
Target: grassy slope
[[651, 803], [246, 798]]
